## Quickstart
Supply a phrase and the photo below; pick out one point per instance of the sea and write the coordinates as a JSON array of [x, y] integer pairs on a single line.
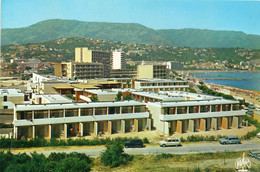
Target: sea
[[249, 80]]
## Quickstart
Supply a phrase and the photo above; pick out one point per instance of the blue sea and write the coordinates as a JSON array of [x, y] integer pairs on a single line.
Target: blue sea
[[251, 81]]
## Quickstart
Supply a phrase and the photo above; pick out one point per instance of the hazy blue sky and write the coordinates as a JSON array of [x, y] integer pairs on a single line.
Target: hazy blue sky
[[240, 15]]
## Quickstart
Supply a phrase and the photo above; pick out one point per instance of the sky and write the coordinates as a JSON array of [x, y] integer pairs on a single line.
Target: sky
[[237, 15]]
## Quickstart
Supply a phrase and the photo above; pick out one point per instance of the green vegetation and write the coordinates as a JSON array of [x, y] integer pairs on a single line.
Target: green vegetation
[[254, 122], [206, 90], [114, 155], [38, 162], [70, 96], [94, 98], [11, 143], [128, 32], [127, 97], [192, 90], [202, 38], [119, 96]]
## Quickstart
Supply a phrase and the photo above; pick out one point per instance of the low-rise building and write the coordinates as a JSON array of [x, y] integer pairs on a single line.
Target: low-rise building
[[152, 71], [156, 85], [79, 119], [9, 97], [192, 116]]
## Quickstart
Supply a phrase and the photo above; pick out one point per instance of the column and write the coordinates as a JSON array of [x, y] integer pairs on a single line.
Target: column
[[179, 126], [188, 108], [224, 123], [133, 110], [94, 109], [191, 125], [122, 126], [210, 108], [33, 115], [81, 129], [65, 130], [149, 124], [49, 131], [202, 124], [64, 114], [198, 109], [109, 127], [96, 128], [79, 112], [235, 122], [136, 125], [214, 123], [166, 128], [15, 132], [120, 110], [33, 131], [49, 113]]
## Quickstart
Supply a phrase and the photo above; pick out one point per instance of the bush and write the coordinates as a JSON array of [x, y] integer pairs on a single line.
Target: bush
[[145, 140], [38, 162], [164, 156], [114, 155]]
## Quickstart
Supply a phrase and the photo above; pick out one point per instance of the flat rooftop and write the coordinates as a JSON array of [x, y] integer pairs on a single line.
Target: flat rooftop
[[23, 107], [196, 96], [159, 96], [100, 92], [11, 92], [194, 103], [159, 81], [56, 98]]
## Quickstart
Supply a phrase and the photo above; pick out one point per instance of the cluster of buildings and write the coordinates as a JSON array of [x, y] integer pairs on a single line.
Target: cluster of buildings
[[154, 104]]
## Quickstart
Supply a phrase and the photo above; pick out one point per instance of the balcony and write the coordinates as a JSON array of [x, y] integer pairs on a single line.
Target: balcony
[[200, 115], [94, 118]]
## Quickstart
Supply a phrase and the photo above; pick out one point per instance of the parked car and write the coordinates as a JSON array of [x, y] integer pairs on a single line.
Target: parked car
[[230, 140], [251, 106], [134, 143], [258, 135], [249, 112], [170, 142]]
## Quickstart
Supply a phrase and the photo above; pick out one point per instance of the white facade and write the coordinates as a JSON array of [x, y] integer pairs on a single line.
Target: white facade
[[118, 60]]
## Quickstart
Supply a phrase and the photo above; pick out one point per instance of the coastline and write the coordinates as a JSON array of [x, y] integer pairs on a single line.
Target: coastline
[[249, 96]]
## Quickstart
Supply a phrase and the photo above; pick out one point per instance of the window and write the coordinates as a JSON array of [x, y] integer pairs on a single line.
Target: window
[[57, 113], [127, 109], [5, 98], [71, 112], [86, 112], [139, 109], [5, 107], [181, 110], [41, 114], [235, 107], [204, 108], [101, 111], [226, 107]]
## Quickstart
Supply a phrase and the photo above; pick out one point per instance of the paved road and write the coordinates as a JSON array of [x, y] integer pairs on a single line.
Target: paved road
[[185, 149]]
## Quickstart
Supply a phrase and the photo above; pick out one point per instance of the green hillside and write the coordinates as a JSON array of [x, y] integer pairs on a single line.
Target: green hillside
[[128, 32], [54, 29], [208, 38]]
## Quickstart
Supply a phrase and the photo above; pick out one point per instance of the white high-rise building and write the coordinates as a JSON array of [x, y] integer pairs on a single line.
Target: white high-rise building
[[118, 60]]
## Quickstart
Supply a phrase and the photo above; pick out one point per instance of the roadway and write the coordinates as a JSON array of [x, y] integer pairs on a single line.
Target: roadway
[[185, 149]]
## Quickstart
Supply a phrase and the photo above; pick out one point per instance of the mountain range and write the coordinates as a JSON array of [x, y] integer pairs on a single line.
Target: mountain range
[[128, 32]]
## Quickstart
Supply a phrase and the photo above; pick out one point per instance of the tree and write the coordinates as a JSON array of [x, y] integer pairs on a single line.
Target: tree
[[114, 155], [12, 66], [94, 98], [119, 96], [28, 68], [127, 97]]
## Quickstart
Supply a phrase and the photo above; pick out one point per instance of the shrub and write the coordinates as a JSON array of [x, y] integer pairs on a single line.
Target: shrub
[[164, 156], [114, 155], [145, 140]]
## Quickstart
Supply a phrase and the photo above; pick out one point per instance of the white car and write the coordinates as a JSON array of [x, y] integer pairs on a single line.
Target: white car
[[258, 135], [170, 142]]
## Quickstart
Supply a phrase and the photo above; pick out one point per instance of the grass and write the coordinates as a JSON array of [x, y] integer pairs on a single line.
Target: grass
[[174, 162]]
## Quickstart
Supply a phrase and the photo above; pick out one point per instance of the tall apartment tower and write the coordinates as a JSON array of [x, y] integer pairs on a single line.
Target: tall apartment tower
[[84, 55], [118, 60]]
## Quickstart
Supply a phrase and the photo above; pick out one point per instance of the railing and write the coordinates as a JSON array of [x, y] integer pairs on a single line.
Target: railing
[[46, 121]]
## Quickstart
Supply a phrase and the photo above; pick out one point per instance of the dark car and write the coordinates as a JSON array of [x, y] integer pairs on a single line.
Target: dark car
[[230, 140], [134, 143]]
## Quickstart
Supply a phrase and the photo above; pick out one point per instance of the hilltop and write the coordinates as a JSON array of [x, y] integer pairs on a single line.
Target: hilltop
[[129, 33]]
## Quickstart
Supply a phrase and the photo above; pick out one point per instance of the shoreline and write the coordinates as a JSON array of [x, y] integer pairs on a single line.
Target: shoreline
[[200, 71], [237, 93]]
